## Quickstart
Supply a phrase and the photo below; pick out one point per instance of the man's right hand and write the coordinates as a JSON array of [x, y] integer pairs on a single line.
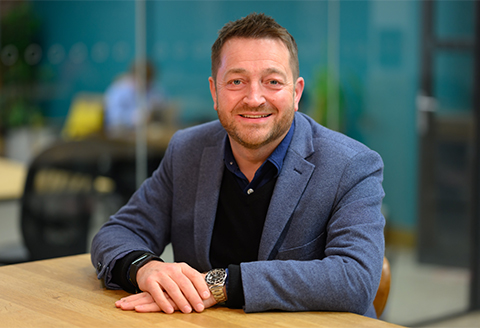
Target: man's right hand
[[174, 282]]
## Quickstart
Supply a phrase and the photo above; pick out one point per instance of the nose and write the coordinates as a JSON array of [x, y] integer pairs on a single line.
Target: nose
[[255, 95]]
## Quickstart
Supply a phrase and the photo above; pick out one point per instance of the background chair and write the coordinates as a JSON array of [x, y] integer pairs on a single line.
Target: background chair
[[85, 116], [383, 289], [65, 187]]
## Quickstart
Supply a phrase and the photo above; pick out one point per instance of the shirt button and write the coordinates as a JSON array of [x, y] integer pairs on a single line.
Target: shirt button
[[250, 191], [231, 163]]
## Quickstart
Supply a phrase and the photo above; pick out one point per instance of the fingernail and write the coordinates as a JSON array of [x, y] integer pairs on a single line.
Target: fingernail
[[200, 307], [205, 295], [187, 309]]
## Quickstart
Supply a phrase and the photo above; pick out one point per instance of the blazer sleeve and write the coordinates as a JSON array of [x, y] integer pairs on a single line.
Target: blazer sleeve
[[143, 224], [341, 269]]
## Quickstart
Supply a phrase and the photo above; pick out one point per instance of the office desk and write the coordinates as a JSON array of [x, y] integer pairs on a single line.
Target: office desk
[[65, 292], [12, 179]]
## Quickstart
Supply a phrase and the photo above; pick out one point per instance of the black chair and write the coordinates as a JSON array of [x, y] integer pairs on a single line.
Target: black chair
[[64, 186]]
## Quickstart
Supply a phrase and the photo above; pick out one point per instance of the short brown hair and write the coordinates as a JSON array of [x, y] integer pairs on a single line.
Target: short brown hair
[[255, 26]]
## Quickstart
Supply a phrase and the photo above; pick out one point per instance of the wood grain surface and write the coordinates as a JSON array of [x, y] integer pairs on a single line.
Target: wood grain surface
[[65, 292]]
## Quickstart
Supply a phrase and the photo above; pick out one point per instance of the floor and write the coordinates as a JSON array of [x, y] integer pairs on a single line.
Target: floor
[[420, 295], [424, 293]]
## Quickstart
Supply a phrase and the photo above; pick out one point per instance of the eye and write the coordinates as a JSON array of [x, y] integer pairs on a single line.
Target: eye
[[235, 83], [275, 83]]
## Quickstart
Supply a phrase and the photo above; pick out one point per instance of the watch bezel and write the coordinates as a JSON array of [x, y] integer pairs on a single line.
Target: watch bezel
[[216, 277]]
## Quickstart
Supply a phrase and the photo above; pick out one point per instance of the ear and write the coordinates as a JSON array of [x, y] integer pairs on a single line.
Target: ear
[[299, 86], [213, 91]]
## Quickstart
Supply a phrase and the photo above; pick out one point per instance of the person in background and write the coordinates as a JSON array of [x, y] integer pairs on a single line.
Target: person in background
[[265, 208], [122, 99]]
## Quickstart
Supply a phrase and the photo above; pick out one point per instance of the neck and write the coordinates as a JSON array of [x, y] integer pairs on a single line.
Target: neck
[[249, 160]]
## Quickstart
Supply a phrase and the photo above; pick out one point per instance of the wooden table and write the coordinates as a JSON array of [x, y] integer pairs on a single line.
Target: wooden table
[[12, 179], [65, 292]]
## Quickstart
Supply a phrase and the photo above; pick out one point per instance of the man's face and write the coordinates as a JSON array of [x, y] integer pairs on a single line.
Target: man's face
[[255, 95]]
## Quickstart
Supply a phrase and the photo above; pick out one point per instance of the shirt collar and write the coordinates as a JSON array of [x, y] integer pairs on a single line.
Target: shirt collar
[[278, 155]]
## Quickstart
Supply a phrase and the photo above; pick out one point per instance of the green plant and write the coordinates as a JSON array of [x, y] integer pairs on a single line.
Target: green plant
[[328, 100], [19, 26]]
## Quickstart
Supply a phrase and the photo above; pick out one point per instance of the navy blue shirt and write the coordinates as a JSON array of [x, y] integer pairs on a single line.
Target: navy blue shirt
[[268, 170]]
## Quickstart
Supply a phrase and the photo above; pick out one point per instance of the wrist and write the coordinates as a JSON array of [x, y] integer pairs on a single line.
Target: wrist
[[137, 264]]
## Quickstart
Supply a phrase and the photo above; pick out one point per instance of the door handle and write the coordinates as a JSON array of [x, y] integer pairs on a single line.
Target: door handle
[[426, 106]]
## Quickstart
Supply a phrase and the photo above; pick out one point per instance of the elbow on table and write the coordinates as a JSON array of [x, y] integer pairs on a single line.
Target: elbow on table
[[357, 306], [357, 299]]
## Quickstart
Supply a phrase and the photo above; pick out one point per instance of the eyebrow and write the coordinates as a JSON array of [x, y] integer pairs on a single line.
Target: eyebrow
[[273, 70], [235, 71]]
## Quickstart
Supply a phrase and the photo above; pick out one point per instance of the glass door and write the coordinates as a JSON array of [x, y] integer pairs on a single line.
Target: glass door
[[446, 130]]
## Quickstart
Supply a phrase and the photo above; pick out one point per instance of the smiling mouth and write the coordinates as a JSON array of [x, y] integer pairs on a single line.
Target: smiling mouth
[[255, 116]]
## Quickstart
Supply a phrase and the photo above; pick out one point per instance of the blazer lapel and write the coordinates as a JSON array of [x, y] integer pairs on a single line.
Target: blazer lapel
[[288, 190], [291, 183], [208, 189]]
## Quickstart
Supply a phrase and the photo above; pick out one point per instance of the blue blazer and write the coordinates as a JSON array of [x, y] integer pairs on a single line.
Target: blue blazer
[[322, 245]]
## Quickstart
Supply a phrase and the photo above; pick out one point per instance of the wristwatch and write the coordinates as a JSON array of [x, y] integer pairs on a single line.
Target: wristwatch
[[137, 264], [216, 280]]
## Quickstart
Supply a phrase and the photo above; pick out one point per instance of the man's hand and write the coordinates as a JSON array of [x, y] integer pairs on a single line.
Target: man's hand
[[168, 287], [144, 302]]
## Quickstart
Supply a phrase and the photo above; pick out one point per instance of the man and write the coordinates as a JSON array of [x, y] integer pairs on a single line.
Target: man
[[121, 112], [289, 208]]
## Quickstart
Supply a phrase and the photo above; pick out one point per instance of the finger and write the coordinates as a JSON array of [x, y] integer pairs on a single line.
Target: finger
[[159, 296], [179, 289], [198, 280], [211, 301], [150, 279], [153, 307], [194, 287], [130, 298], [186, 290], [129, 303], [160, 279]]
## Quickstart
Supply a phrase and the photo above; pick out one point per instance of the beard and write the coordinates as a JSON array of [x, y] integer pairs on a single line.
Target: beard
[[254, 136]]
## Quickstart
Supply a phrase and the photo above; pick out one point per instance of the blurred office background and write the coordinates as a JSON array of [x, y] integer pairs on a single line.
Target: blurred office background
[[400, 76]]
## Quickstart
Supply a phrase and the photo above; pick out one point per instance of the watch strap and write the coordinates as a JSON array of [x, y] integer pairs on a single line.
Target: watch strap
[[137, 264], [218, 293]]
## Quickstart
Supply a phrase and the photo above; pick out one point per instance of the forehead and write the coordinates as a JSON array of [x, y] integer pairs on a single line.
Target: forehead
[[253, 52]]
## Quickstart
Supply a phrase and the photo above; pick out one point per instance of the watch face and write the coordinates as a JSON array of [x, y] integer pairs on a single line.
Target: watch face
[[216, 277]]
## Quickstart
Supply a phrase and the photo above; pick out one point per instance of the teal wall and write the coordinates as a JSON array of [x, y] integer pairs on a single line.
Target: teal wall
[[391, 86], [378, 56]]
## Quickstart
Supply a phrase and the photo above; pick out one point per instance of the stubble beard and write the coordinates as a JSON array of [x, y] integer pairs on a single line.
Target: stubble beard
[[256, 139]]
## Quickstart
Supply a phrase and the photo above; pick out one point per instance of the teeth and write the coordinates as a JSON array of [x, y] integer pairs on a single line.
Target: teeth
[[255, 116]]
